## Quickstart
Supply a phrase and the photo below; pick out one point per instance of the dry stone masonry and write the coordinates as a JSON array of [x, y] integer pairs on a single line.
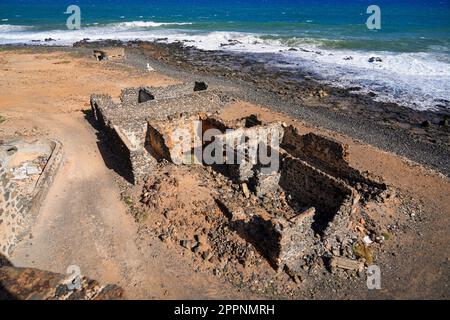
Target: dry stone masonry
[[27, 170], [312, 174], [127, 122]]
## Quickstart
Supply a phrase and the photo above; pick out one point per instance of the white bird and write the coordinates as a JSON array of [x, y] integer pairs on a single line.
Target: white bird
[[149, 68]]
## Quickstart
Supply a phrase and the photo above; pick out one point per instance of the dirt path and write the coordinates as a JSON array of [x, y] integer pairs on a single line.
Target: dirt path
[[83, 222]]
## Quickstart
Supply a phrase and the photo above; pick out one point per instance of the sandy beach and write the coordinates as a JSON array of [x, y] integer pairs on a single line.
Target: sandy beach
[[87, 218]]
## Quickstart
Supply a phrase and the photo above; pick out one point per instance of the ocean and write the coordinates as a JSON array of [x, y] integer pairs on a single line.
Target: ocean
[[328, 38]]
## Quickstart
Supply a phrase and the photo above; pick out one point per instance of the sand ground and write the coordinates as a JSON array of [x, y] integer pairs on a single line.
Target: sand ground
[[84, 222]]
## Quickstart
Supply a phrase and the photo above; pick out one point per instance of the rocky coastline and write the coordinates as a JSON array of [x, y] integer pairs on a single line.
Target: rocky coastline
[[422, 136]]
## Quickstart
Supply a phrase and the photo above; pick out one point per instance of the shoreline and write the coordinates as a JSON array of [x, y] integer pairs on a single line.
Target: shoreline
[[421, 136], [396, 72]]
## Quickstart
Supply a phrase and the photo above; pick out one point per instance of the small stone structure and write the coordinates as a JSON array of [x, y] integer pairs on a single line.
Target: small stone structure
[[27, 170], [109, 53], [127, 122], [331, 157], [312, 171]]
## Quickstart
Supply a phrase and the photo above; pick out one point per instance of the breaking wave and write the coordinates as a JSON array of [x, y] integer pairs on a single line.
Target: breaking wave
[[420, 80], [10, 27], [147, 24]]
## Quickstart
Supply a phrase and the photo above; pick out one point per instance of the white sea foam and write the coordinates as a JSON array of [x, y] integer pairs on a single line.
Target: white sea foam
[[417, 80], [10, 27], [147, 24]]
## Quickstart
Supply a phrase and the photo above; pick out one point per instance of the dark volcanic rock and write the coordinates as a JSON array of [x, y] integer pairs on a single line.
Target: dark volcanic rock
[[426, 124], [35, 284], [375, 59], [200, 86]]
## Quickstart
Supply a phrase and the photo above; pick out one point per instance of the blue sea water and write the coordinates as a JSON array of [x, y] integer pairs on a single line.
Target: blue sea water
[[331, 36]]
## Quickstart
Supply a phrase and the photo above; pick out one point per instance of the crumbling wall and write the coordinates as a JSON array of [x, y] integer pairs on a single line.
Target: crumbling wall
[[243, 164], [131, 95], [127, 143], [126, 123], [100, 104], [330, 156], [283, 242], [311, 187], [100, 55], [165, 139], [296, 240]]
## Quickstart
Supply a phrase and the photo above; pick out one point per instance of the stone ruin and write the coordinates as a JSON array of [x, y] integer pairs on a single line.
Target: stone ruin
[[322, 189], [109, 53], [127, 122]]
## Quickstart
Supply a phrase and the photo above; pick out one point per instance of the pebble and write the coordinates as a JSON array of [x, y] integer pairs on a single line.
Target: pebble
[[367, 240]]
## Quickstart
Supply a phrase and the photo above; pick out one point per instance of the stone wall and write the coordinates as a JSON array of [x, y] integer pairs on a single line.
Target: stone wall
[[290, 242], [14, 209], [130, 96], [127, 123], [20, 197], [330, 156], [244, 144], [311, 187], [282, 242], [296, 239]]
